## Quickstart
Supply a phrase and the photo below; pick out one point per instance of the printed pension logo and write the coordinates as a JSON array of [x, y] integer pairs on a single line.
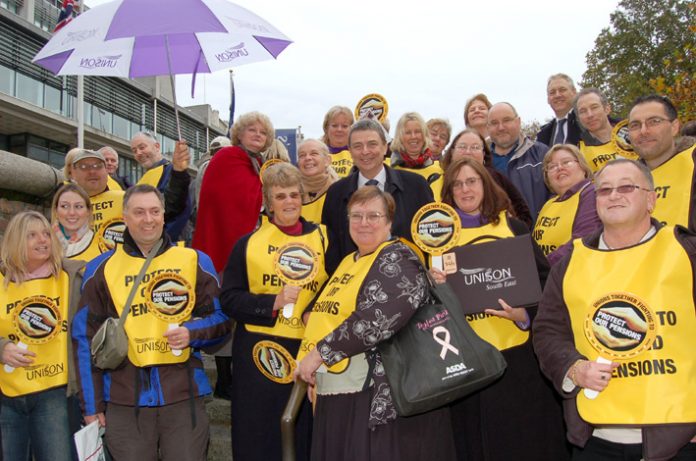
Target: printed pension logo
[[232, 53], [493, 278], [100, 62], [79, 36]]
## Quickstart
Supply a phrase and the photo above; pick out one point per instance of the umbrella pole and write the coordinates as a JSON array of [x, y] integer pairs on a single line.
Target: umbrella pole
[[171, 78]]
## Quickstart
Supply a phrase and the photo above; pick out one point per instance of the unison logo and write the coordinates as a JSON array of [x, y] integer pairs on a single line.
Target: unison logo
[[79, 36], [100, 62], [232, 53], [493, 278]]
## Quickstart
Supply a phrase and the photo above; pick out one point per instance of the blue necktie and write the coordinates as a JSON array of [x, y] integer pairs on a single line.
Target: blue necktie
[[372, 182], [559, 132]]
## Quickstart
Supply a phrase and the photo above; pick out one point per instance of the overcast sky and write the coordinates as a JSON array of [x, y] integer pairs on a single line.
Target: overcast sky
[[427, 56]]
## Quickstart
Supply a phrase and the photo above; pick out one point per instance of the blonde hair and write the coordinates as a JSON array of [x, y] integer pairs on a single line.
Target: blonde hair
[[397, 144], [13, 251], [69, 157], [333, 112], [70, 187], [276, 150], [245, 120]]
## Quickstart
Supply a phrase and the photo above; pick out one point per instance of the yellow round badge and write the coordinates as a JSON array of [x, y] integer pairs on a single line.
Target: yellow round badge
[[267, 164], [37, 320], [620, 326], [372, 106], [435, 228], [170, 297], [274, 361], [111, 233], [621, 141]]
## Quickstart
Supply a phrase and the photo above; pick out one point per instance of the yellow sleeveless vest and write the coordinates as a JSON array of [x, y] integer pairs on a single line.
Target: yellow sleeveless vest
[[597, 156], [342, 163], [173, 271], [554, 226], [673, 181], [89, 253], [426, 172], [337, 302], [152, 176], [502, 333], [651, 386], [106, 207], [311, 211], [112, 184], [36, 314], [260, 255]]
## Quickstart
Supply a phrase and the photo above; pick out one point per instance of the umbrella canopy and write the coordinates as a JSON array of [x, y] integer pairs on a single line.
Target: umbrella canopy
[[143, 38]]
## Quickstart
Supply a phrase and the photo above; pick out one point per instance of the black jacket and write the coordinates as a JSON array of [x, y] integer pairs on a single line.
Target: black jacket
[[410, 192], [545, 134]]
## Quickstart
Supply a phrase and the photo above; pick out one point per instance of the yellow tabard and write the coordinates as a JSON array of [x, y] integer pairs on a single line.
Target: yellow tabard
[[597, 156], [89, 253], [106, 206], [436, 187], [262, 278], [152, 176], [41, 308], [337, 302], [611, 295], [177, 268], [430, 172], [342, 163], [112, 184], [673, 182], [311, 211], [502, 333], [554, 226]]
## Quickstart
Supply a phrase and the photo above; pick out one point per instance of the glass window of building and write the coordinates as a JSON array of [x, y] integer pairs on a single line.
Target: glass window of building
[[52, 99], [29, 89], [101, 119], [37, 149], [7, 80], [121, 127]]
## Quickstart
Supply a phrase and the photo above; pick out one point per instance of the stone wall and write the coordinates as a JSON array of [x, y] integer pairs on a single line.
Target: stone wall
[[25, 184]]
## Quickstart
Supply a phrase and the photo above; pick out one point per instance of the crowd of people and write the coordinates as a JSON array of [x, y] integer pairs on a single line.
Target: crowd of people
[[297, 274]]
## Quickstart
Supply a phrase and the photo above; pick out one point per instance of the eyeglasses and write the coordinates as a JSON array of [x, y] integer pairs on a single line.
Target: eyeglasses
[[282, 196], [551, 167], [469, 182], [505, 121], [371, 217], [469, 148], [624, 189], [90, 166], [652, 122]]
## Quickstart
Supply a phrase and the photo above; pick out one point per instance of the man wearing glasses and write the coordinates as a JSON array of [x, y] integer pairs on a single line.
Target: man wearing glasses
[[89, 172], [652, 128], [516, 156], [614, 328]]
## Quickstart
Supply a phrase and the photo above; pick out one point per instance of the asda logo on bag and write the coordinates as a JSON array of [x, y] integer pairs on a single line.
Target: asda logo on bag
[[454, 368]]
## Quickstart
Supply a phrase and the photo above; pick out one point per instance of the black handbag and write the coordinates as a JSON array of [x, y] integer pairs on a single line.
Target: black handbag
[[437, 357]]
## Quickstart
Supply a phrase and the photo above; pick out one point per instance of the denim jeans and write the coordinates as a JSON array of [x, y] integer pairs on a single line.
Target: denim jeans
[[39, 421]]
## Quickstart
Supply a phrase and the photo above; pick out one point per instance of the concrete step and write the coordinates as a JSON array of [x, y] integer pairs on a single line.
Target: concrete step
[[220, 447]]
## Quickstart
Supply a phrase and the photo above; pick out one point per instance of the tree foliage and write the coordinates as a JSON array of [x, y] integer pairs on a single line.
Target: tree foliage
[[649, 47]]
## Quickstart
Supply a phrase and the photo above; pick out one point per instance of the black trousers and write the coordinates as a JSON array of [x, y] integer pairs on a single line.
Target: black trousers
[[598, 449]]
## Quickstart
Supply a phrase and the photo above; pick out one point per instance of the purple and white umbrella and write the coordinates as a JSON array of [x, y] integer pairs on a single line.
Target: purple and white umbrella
[[143, 38], [133, 38]]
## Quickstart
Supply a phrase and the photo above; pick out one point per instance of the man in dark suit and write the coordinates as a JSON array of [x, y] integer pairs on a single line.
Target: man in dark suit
[[368, 145], [564, 128]]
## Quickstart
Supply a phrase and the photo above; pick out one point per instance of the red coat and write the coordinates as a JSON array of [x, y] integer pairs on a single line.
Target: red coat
[[230, 202]]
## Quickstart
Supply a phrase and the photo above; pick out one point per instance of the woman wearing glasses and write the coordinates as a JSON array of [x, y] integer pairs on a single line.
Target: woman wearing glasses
[[469, 143], [265, 341], [372, 294], [517, 417], [572, 212]]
